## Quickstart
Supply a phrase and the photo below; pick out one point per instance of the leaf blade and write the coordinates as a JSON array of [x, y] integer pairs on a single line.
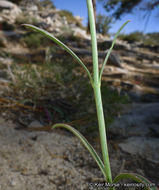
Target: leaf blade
[[85, 143], [57, 41], [137, 178], [110, 49]]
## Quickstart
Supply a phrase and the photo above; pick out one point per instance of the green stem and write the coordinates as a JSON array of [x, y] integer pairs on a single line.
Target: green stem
[[102, 131], [97, 94]]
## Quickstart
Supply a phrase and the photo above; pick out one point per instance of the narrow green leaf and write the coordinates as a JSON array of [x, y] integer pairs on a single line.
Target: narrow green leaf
[[137, 178], [54, 39], [85, 143], [109, 51]]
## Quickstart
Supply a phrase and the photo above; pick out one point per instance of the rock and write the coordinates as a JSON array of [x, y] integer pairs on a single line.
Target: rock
[[141, 121], [80, 33], [6, 5], [10, 11], [35, 124], [122, 45], [1, 19], [114, 59], [79, 19], [64, 20], [48, 21], [147, 148], [32, 8], [56, 22], [115, 72], [102, 37], [119, 45], [6, 61], [144, 94], [3, 41], [43, 25], [136, 92], [52, 19]]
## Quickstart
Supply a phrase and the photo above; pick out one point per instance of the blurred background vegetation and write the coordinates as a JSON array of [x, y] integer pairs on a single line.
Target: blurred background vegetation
[[51, 80]]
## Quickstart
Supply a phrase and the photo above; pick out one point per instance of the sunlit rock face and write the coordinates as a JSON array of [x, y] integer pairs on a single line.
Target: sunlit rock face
[[9, 11]]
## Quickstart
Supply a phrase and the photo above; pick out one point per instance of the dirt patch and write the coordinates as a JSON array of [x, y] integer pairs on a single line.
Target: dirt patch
[[56, 160], [40, 160]]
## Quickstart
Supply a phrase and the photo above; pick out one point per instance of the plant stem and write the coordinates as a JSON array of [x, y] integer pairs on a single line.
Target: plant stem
[[102, 132], [97, 94]]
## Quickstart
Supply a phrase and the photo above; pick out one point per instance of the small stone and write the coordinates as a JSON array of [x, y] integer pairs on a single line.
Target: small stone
[[13, 183], [35, 124], [145, 147]]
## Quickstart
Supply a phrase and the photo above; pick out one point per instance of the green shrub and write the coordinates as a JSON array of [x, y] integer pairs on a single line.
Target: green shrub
[[152, 39], [132, 37], [34, 40], [26, 19], [146, 39], [46, 4], [67, 31], [70, 18], [68, 15], [69, 37], [103, 24]]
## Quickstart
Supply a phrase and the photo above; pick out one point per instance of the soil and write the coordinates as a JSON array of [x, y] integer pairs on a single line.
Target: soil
[[32, 160]]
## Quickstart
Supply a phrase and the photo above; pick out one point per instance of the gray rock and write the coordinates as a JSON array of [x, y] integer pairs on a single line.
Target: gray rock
[[114, 59], [10, 11], [140, 121], [35, 124], [64, 20], [32, 8], [6, 61], [6, 5], [80, 33], [118, 45], [147, 148], [136, 92]]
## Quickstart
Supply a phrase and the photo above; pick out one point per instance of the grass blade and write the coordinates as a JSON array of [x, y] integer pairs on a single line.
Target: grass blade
[[54, 39], [85, 143], [109, 51], [137, 178]]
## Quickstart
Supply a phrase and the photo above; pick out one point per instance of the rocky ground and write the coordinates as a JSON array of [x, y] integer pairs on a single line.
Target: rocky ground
[[45, 159]]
